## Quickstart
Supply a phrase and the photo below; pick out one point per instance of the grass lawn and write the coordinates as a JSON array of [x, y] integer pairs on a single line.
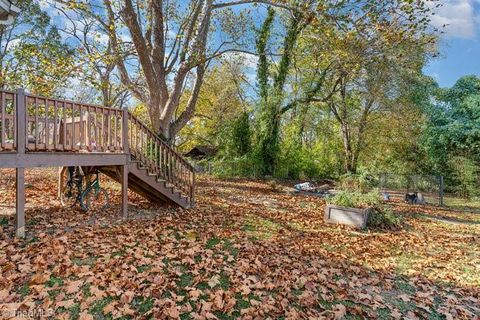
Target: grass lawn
[[243, 252]]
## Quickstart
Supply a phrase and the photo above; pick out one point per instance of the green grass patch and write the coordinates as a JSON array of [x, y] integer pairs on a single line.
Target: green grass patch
[[34, 240], [24, 290], [86, 290], [260, 228], [119, 253], [461, 203], [142, 304], [404, 286], [228, 246], [97, 308], [203, 286], [90, 261], [144, 268], [212, 242], [186, 280], [223, 316], [54, 281], [242, 303], [224, 281], [185, 316], [405, 262], [74, 311], [3, 221], [54, 293], [384, 314]]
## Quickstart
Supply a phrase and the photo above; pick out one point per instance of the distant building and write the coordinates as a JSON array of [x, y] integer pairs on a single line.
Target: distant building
[[8, 12], [201, 152]]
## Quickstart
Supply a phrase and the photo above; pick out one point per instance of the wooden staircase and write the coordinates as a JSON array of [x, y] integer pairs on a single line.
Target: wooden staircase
[[155, 170]]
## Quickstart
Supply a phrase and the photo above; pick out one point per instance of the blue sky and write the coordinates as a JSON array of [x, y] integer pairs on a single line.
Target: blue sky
[[460, 45]]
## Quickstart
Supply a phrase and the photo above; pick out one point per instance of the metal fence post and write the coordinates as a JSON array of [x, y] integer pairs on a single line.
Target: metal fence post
[[441, 190]]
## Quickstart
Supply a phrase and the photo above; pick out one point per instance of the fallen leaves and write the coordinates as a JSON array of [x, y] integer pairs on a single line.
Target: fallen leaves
[[39, 279], [243, 252]]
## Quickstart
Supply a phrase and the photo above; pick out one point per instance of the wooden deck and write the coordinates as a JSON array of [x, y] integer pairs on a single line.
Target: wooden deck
[[42, 132]]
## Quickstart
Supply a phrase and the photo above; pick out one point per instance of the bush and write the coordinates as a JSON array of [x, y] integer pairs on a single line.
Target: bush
[[358, 182], [383, 217], [355, 199], [275, 186]]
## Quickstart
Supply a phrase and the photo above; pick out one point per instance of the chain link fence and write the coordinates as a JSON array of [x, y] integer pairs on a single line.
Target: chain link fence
[[397, 185]]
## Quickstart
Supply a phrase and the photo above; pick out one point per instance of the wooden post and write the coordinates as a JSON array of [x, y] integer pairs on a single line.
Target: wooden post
[[125, 132], [20, 172], [124, 179], [124, 170], [20, 203]]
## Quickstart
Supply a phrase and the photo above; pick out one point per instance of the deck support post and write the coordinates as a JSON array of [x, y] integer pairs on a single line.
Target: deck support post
[[20, 172], [124, 179], [20, 203]]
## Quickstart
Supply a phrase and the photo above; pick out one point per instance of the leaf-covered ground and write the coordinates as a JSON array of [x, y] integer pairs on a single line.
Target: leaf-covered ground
[[243, 252]]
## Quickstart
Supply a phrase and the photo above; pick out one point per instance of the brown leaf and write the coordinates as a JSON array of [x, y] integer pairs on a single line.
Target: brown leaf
[[173, 312], [73, 287], [339, 310], [39, 278]]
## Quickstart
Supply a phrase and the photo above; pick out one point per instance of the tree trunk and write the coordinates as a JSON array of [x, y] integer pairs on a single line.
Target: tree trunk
[[350, 163]]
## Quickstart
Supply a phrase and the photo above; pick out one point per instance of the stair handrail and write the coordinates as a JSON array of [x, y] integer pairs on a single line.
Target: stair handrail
[[166, 145], [172, 152]]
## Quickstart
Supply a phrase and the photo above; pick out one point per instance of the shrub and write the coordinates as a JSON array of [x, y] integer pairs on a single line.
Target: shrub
[[274, 185], [355, 199], [358, 182], [383, 217]]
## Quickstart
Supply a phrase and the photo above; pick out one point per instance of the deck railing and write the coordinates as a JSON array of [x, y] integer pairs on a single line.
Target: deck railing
[[56, 125], [8, 124]]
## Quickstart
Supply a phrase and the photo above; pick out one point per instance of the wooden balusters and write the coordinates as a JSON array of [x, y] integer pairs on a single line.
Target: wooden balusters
[[55, 126]]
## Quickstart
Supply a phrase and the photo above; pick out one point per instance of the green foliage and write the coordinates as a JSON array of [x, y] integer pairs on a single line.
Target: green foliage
[[221, 113], [451, 136], [268, 123], [383, 217], [272, 96], [454, 120], [358, 182], [262, 41], [33, 55], [239, 136], [465, 176], [355, 199]]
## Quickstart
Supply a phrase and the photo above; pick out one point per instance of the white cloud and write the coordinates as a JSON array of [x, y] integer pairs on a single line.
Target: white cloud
[[458, 17], [44, 5], [13, 43], [247, 59]]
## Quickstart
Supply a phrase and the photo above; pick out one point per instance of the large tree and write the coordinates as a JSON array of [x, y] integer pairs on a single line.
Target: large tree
[[339, 56], [168, 48], [454, 121]]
